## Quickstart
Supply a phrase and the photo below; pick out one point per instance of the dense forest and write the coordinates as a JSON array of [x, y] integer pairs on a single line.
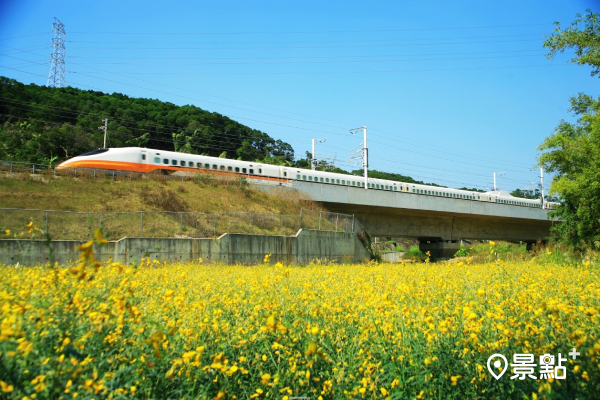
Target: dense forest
[[46, 125]]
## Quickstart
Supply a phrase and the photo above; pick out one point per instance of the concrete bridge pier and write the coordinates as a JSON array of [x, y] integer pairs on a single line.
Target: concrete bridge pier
[[438, 248]]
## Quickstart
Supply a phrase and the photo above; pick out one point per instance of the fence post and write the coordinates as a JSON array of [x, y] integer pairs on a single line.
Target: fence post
[[46, 223], [215, 224], [75, 172], [141, 224], [252, 223], [282, 225], [94, 173], [33, 169], [320, 212], [11, 167], [54, 171], [352, 223], [300, 219], [181, 232], [337, 216]]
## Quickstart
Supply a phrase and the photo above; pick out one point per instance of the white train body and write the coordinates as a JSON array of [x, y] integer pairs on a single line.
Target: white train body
[[148, 160]]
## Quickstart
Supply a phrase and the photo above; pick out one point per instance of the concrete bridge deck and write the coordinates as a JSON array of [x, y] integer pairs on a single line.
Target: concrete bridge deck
[[438, 220]]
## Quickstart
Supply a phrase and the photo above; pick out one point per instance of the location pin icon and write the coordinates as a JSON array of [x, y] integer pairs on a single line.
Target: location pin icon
[[497, 364]]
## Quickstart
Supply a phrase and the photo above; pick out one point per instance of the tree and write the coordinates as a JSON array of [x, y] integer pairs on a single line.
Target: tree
[[583, 35], [573, 154]]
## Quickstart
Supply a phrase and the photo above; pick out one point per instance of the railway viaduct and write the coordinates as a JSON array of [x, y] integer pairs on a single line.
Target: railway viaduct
[[439, 223]]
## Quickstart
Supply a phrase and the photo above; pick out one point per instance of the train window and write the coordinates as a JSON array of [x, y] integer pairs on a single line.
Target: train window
[[297, 176], [157, 160], [237, 169], [343, 182], [215, 166], [304, 177], [173, 162], [327, 180], [243, 170], [251, 170], [166, 161], [284, 173], [207, 166], [337, 181], [229, 169], [222, 168], [260, 171], [143, 156], [413, 190], [190, 164], [321, 179], [310, 178]]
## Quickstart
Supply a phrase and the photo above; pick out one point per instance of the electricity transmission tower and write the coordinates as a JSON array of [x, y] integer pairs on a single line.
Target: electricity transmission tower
[[56, 77]]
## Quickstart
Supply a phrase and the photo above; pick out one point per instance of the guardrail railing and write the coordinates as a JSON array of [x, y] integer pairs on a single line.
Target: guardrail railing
[[17, 223]]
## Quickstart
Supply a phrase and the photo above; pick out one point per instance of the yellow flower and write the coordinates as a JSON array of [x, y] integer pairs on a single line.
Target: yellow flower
[[6, 388], [264, 379]]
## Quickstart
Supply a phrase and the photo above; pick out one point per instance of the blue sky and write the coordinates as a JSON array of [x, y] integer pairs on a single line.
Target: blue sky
[[451, 91]]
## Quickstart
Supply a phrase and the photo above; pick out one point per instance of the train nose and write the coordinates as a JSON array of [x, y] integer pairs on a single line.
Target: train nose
[[63, 165]]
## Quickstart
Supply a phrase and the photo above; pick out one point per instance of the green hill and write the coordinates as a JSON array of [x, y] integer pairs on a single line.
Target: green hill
[[38, 123]]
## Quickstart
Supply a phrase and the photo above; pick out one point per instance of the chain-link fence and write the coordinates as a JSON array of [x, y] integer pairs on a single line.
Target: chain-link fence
[[72, 225], [209, 176]]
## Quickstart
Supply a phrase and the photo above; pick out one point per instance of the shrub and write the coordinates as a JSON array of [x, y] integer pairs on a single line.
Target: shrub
[[415, 254]]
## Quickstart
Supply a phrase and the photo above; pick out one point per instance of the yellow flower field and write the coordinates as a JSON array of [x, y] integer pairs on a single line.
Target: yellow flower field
[[319, 331]]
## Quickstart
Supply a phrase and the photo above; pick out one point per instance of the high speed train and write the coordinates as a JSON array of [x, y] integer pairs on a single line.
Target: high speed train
[[143, 160]]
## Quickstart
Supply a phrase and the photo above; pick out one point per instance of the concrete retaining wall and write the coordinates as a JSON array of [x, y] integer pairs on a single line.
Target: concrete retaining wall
[[305, 246]]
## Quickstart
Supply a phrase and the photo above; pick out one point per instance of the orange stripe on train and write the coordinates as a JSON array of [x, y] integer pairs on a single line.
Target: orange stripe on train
[[145, 168]]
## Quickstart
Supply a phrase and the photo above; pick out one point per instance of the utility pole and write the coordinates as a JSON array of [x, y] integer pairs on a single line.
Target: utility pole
[[105, 129], [499, 174], [365, 153], [313, 161], [542, 179], [56, 77]]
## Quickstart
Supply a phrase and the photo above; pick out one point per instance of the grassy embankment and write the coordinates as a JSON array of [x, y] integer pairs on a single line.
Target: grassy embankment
[[94, 195]]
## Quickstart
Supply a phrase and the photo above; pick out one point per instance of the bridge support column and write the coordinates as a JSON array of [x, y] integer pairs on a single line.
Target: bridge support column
[[439, 248]]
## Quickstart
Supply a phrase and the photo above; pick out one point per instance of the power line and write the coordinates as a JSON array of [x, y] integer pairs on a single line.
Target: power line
[[338, 61], [305, 32], [306, 47], [311, 41], [330, 72], [24, 36], [299, 57]]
